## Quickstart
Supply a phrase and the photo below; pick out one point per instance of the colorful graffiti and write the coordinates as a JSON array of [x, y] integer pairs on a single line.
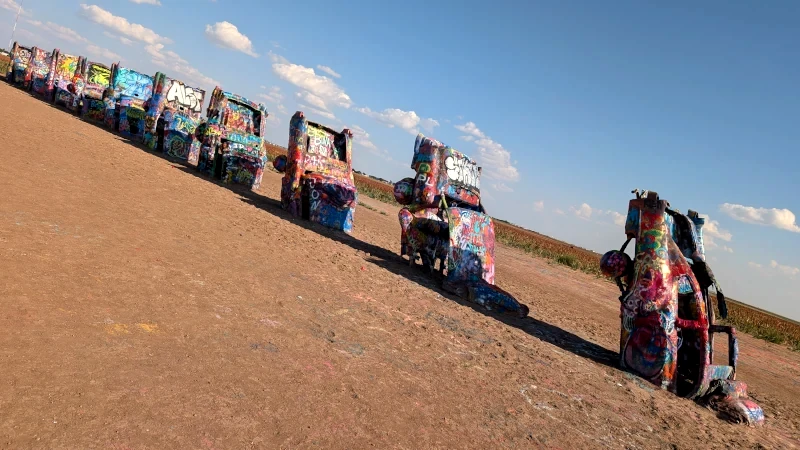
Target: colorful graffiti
[[185, 97], [93, 110], [173, 116], [667, 318], [36, 72], [459, 238], [21, 60], [98, 75], [231, 140], [66, 68], [318, 174], [130, 83]]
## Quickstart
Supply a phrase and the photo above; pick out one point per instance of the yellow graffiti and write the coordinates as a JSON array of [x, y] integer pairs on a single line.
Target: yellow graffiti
[[135, 113], [117, 328], [148, 327], [67, 65], [99, 75]]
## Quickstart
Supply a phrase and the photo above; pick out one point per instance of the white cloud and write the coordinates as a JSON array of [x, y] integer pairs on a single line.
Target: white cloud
[[172, 61], [559, 211], [62, 32], [276, 58], [786, 270], [754, 265], [619, 219], [329, 71], [584, 211], [103, 53], [538, 206], [274, 94], [782, 219], [306, 79], [496, 160], [470, 128], [226, 35], [10, 5], [407, 120], [361, 137], [147, 2], [312, 99], [494, 157], [121, 25], [70, 35], [122, 39], [323, 113], [712, 232], [502, 187]]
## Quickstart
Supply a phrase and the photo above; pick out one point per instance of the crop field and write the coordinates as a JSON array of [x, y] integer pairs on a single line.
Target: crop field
[[145, 305], [5, 61]]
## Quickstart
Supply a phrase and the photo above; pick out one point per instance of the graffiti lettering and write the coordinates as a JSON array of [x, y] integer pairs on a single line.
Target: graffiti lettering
[[185, 96], [321, 142], [462, 171]]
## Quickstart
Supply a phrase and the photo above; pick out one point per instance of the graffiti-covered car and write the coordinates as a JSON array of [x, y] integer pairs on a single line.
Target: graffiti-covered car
[[232, 139], [318, 174], [172, 118], [125, 103], [444, 220], [667, 316], [59, 80], [39, 67], [20, 58], [96, 82]]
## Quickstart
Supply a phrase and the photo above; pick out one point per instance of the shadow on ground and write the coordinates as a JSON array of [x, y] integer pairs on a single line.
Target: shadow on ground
[[395, 264]]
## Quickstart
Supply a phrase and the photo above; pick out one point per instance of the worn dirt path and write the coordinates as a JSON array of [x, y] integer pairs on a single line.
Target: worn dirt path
[[143, 306]]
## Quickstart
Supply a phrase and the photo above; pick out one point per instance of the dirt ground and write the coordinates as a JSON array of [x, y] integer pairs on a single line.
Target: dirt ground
[[144, 306]]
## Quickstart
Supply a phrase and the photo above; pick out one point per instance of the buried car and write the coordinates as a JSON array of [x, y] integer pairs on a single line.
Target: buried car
[[318, 174], [667, 316], [443, 220], [59, 80], [96, 82], [232, 139], [125, 102], [172, 118], [20, 59], [36, 73]]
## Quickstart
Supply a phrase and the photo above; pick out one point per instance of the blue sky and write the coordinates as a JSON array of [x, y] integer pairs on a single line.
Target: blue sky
[[567, 105]]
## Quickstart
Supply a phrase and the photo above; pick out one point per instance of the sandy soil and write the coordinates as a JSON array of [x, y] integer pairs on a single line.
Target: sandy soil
[[144, 306]]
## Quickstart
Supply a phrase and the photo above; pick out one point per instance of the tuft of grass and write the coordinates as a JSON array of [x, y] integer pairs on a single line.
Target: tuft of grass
[[362, 204], [746, 319]]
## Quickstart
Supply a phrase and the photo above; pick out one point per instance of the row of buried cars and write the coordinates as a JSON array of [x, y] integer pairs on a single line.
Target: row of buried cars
[[667, 316], [443, 220]]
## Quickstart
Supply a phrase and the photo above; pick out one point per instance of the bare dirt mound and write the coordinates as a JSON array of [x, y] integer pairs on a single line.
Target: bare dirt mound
[[144, 306]]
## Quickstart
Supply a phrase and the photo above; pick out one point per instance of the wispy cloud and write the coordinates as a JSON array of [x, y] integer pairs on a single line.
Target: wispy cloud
[[121, 25], [494, 157], [329, 71]]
